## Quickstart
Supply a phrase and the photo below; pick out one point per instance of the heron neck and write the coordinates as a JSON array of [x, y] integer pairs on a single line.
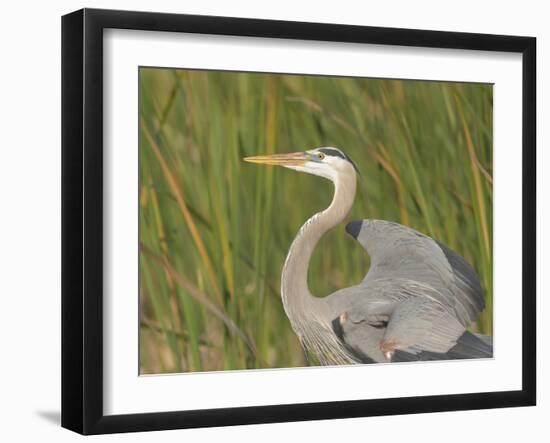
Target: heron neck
[[295, 291]]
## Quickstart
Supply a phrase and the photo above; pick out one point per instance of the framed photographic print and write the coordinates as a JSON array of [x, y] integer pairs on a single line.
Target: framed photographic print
[[270, 221]]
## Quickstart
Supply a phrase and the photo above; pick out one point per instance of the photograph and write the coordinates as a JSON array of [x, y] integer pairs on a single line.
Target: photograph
[[296, 219], [289, 220]]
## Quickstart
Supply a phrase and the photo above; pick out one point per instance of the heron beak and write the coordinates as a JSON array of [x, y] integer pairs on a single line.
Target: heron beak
[[291, 159]]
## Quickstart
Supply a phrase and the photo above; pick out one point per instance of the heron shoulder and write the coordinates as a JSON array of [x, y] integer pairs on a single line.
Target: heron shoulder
[[382, 237], [399, 252]]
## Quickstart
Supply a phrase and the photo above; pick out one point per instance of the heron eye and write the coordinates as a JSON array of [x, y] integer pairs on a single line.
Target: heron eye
[[320, 155]]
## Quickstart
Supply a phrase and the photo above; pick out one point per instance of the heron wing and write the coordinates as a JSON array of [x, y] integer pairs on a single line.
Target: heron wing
[[399, 253], [421, 324], [468, 345], [415, 327]]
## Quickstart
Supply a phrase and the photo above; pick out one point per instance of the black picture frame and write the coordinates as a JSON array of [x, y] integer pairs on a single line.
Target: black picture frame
[[82, 220]]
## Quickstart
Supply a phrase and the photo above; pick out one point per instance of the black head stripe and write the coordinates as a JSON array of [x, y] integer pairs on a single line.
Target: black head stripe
[[334, 152], [337, 153]]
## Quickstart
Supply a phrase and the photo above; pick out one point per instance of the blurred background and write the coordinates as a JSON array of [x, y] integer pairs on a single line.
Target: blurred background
[[214, 230]]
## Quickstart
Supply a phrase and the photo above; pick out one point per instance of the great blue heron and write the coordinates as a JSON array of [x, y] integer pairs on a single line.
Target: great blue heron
[[415, 303]]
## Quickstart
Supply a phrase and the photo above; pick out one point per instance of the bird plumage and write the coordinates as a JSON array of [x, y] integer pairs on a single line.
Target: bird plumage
[[418, 293], [415, 303]]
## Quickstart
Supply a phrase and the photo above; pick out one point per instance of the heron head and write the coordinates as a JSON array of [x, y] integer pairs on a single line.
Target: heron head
[[328, 162]]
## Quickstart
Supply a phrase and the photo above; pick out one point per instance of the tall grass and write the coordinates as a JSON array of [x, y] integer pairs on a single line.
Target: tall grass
[[214, 231]]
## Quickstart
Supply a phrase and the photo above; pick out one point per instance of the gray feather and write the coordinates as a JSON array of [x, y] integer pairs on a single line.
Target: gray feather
[[401, 253], [468, 286], [418, 295], [468, 345]]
